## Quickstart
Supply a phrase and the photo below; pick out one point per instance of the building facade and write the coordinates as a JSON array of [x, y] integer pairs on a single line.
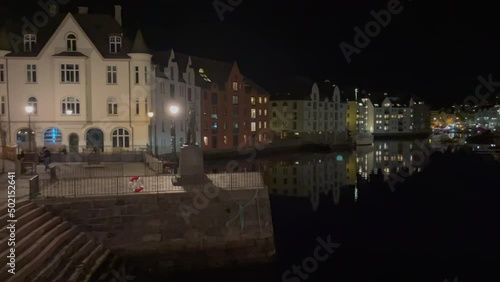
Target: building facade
[[175, 86], [309, 112], [86, 83], [234, 110]]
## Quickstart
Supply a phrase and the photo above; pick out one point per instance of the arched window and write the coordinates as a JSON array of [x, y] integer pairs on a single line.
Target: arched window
[[112, 106], [121, 138], [52, 136], [34, 103], [71, 42], [70, 106], [29, 42]]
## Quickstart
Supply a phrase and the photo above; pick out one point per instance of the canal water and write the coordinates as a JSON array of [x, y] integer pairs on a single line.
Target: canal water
[[394, 211]]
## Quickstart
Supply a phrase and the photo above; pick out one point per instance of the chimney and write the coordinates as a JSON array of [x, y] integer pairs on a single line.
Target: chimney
[[83, 10], [53, 9], [118, 14]]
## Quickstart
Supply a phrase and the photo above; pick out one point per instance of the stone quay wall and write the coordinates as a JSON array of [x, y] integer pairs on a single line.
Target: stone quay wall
[[198, 229]]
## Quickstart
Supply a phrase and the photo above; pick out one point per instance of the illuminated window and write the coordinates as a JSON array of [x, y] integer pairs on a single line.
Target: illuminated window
[[205, 140], [32, 101], [52, 136], [252, 100], [253, 126], [253, 113]]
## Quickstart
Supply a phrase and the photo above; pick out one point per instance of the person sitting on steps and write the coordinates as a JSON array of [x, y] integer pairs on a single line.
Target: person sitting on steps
[[46, 158]]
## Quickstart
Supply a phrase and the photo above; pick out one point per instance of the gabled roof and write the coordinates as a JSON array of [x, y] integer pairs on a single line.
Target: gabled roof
[[294, 88], [253, 85], [161, 58], [215, 71], [97, 27]]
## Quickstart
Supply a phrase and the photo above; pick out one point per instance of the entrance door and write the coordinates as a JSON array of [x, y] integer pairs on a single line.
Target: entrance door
[[73, 143], [95, 138]]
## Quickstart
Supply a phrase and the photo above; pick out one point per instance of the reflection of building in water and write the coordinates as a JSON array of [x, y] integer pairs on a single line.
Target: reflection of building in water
[[309, 178], [390, 156]]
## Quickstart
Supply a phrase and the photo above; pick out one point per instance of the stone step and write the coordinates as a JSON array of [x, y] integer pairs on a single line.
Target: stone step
[[30, 239], [19, 212], [25, 229], [47, 273], [43, 247], [73, 263], [85, 267], [4, 208], [40, 254], [100, 260]]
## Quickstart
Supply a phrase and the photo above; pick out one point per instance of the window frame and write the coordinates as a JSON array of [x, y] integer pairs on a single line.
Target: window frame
[[75, 108], [29, 42], [31, 73], [115, 44], [71, 42], [65, 71], [111, 75]]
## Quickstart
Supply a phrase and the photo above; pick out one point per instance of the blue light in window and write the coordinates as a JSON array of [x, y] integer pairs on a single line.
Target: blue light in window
[[340, 158]]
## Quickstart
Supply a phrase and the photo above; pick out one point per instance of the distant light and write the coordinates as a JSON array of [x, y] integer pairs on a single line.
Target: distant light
[[69, 112], [151, 114], [29, 109], [174, 109]]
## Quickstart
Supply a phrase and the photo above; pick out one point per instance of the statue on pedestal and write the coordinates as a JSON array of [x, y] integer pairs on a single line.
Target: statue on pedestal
[[191, 127]]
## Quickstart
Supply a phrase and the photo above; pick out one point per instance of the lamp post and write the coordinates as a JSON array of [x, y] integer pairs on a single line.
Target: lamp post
[[173, 110], [29, 110], [151, 115]]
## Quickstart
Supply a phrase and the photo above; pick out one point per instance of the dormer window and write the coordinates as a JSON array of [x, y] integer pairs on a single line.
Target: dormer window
[[71, 43], [29, 42], [115, 44]]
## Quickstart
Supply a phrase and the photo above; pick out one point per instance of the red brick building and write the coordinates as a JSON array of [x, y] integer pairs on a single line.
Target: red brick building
[[235, 112]]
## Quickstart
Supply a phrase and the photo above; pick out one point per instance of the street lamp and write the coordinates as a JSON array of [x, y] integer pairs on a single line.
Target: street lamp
[[173, 110], [151, 115], [29, 110]]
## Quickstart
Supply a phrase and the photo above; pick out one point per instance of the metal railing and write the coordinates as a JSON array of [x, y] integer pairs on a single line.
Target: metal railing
[[84, 170], [83, 187], [34, 186]]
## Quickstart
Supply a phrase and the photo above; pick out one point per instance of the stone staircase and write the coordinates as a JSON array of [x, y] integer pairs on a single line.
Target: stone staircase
[[48, 248]]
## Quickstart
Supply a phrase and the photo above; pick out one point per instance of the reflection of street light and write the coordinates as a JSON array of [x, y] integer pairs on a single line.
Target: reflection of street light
[[150, 115], [29, 110], [69, 112], [173, 110]]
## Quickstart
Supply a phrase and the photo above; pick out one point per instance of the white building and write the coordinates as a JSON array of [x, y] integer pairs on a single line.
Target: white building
[[488, 117], [87, 83], [310, 112], [392, 117], [175, 79]]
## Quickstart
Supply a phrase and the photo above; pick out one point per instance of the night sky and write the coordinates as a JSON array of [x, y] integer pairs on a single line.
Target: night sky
[[434, 50]]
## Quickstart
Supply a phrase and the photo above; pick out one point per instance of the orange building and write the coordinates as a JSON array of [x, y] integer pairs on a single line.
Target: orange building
[[235, 111]]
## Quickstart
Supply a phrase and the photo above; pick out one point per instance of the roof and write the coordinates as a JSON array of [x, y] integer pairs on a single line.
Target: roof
[[4, 40], [294, 88], [255, 86], [70, 54], [161, 58], [97, 27], [214, 71], [139, 45]]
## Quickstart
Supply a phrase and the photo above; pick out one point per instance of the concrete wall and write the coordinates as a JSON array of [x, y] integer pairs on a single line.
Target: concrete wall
[[151, 229]]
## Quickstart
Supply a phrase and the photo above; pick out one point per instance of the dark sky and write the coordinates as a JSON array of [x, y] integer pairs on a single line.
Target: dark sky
[[434, 50]]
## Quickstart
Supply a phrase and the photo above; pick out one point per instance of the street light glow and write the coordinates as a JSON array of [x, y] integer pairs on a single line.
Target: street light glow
[[151, 114], [29, 109], [174, 109]]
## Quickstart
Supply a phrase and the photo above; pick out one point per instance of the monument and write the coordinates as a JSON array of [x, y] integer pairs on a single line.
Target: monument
[[191, 157]]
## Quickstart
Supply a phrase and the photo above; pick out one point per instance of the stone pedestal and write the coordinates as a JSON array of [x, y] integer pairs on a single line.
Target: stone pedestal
[[190, 167]]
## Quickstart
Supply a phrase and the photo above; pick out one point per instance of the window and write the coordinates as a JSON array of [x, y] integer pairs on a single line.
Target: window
[[253, 113], [120, 138], [31, 73], [71, 43], [214, 98], [235, 86], [189, 95], [265, 112], [3, 103], [172, 90], [225, 139], [146, 75], [2, 73], [70, 73], [29, 42], [52, 135], [137, 105], [265, 124], [205, 140], [115, 44], [235, 140], [265, 100], [136, 75], [252, 100], [260, 112], [260, 100], [146, 108], [236, 128], [111, 74], [32, 101], [236, 112], [214, 112], [112, 106], [235, 100], [214, 128], [172, 77], [70, 104], [253, 126], [260, 124]]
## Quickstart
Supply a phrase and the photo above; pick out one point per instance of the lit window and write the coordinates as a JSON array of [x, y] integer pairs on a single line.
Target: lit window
[[253, 113], [253, 126], [235, 86], [52, 136], [205, 140], [235, 100], [29, 42], [260, 100], [252, 100], [265, 100], [265, 112], [225, 139]]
